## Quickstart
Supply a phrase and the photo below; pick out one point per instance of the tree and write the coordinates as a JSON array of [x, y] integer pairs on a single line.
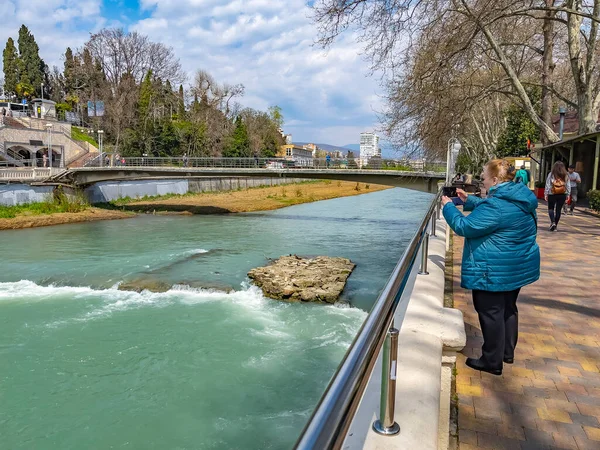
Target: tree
[[10, 59], [121, 53], [520, 128], [239, 145], [33, 66], [516, 38], [181, 104], [276, 116]]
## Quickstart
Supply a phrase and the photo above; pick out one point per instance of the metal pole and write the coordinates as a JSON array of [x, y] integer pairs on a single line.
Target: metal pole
[[433, 224], [385, 424], [448, 162], [424, 255], [596, 163]]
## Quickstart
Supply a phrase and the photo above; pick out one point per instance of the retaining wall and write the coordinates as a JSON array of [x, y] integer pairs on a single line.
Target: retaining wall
[[112, 190], [17, 194]]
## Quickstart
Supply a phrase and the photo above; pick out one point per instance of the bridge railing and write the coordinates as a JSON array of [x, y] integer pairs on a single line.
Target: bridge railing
[[268, 163], [329, 423], [28, 174]]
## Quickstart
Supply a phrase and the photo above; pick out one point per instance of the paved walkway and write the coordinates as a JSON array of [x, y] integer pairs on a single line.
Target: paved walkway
[[550, 397]]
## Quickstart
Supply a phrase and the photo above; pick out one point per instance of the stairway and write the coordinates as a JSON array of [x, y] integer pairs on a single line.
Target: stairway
[[82, 160]]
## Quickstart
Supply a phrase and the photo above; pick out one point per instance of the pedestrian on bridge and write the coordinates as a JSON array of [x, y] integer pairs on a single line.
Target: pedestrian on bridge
[[185, 160], [500, 256]]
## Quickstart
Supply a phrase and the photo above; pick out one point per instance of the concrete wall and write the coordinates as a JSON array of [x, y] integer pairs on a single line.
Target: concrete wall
[[17, 194], [112, 190]]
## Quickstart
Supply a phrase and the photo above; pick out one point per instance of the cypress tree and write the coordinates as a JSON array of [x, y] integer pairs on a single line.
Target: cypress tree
[[181, 104], [69, 71], [10, 59], [29, 53]]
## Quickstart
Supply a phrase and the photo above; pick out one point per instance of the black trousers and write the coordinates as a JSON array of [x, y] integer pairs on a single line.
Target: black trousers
[[555, 204], [499, 320]]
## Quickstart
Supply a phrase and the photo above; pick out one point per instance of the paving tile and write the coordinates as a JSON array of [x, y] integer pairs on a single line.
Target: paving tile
[[550, 397], [593, 433]]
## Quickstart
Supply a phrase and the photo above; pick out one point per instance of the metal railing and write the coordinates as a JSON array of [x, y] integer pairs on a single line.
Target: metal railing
[[267, 163], [329, 423]]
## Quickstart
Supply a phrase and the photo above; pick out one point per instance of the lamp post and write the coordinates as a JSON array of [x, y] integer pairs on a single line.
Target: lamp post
[[100, 134], [49, 128], [453, 149], [42, 105]]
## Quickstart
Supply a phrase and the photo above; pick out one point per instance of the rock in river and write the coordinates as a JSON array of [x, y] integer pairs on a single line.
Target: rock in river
[[319, 279]]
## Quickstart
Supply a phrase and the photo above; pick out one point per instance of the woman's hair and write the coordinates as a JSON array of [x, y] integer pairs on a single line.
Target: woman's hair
[[559, 171], [501, 169]]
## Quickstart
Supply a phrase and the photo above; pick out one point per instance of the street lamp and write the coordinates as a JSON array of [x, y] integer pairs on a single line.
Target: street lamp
[[100, 134], [453, 149], [42, 105], [49, 128]]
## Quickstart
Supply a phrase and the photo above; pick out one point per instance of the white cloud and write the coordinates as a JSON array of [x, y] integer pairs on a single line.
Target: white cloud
[[264, 44], [268, 46]]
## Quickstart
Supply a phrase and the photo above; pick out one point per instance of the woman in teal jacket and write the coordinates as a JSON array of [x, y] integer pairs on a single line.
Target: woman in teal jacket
[[500, 256]]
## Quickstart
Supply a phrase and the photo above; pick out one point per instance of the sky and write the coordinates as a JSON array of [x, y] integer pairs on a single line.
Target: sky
[[267, 45]]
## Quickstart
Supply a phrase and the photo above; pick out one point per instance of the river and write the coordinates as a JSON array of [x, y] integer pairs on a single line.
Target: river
[[84, 365]]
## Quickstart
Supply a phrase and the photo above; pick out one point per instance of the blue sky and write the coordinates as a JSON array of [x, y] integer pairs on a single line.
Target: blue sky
[[267, 45]]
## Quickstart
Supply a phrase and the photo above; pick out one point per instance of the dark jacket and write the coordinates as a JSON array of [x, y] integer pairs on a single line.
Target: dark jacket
[[500, 251]]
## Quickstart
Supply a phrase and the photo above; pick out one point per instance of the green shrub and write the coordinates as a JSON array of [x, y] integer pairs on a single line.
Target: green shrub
[[57, 202], [594, 197]]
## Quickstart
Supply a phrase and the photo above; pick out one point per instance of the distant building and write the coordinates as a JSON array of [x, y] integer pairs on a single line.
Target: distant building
[[369, 147], [288, 138], [302, 156], [313, 148]]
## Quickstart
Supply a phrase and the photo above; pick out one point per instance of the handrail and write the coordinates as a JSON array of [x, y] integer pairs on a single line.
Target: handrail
[[329, 423], [275, 162]]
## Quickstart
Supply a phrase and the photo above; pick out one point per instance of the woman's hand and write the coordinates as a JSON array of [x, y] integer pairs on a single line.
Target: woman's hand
[[461, 194], [546, 197], [446, 200]]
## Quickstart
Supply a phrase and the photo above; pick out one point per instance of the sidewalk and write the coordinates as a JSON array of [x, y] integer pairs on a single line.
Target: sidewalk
[[550, 397]]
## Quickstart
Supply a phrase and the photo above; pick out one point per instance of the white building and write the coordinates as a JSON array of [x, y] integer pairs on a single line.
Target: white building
[[369, 147]]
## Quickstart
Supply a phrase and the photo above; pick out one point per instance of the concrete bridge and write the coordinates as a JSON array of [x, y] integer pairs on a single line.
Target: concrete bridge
[[140, 169]]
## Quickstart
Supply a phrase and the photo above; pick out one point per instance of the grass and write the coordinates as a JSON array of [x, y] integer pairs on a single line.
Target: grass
[[79, 135], [59, 203]]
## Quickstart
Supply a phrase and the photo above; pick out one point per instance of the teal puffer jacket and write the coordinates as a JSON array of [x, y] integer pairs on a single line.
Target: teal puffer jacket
[[500, 251]]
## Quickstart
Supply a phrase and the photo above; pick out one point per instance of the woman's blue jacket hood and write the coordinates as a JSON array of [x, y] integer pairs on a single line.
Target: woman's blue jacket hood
[[500, 251]]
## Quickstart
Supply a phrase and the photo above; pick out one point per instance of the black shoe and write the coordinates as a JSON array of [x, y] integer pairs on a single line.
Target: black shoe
[[509, 360], [553, 227], [478, 365]]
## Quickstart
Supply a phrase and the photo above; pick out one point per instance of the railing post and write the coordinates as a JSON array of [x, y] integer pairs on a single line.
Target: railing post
[[385, 424], [433, 224], [424, 255]]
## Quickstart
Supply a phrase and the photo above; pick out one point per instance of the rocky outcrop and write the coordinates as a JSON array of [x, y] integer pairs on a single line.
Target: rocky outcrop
[[291, 278], [154, 285]]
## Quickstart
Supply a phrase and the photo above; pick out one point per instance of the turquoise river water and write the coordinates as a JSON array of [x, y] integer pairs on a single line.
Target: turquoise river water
[[86, 366]]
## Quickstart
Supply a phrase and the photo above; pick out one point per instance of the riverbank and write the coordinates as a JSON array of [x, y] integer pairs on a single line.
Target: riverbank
[[253, 199], [89, 214]]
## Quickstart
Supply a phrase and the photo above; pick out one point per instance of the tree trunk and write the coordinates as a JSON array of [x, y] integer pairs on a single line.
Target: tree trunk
[[547, 68]]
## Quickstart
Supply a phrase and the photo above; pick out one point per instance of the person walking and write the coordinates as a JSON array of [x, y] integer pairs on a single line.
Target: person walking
[[574, 181], [327, 160], [500, 256], [522, 176], [558, 188]]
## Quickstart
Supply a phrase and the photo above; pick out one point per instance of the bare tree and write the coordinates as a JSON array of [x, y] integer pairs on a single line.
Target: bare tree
[[121, 53], [391, 29]]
